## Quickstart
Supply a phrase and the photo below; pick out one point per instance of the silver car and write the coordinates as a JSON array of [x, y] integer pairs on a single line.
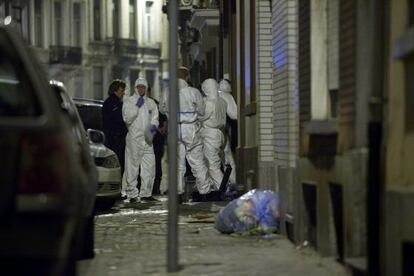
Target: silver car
[[106, 161]]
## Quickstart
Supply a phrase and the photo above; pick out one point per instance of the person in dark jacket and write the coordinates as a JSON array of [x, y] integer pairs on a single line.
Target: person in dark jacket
[[113, 125], [158, 145]]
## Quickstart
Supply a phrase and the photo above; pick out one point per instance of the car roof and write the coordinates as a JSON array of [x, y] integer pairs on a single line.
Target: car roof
[[88, 102]]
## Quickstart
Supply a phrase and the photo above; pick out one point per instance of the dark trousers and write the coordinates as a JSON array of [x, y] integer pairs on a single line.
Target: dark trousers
[[159, 153]]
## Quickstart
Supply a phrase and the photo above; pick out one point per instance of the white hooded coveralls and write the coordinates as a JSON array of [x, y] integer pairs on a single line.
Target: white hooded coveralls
[[214, 122], [190, 144], [189, 140], [139, 152], [225, 94]]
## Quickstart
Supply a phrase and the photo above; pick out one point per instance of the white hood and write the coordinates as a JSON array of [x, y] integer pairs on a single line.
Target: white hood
[[182, 84], [140, 81], [210, 88], [224, 86]]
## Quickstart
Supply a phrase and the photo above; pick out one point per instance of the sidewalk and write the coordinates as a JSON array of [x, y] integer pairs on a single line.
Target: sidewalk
[[131, 240]]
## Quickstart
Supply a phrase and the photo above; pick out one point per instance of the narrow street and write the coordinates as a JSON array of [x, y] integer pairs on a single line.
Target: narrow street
[[131, 240]]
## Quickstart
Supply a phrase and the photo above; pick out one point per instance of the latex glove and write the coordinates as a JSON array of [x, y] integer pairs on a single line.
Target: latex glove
[[153, 129], [140, 102], [149, 134]]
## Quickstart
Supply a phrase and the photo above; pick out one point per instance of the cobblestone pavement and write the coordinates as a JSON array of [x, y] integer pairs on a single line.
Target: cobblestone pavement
[[131, 240]]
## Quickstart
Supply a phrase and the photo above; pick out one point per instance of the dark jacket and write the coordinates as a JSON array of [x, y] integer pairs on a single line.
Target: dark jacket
[[113, 124], [158, 137]]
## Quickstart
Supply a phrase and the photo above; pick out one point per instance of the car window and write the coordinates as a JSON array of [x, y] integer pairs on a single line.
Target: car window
[[91, 116], [17, 98]]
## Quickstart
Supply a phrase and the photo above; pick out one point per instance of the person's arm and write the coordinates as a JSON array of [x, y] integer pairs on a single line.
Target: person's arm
[[129, 111], [199, 102], [231, 107], [154, 116], [208, 111]]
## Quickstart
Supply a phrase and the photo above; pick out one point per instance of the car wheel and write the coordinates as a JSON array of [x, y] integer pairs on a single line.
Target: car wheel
[[105, 203], [88, 240]]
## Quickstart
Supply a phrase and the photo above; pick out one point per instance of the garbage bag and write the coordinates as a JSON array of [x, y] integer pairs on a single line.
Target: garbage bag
[[257, 210]]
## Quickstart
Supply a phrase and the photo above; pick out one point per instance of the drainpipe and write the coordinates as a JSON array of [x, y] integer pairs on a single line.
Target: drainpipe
[[376, 187], [172, 238]]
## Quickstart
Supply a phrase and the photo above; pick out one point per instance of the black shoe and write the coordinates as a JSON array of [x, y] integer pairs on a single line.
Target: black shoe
[[224, 182], [180, 199], [123, 197], [150, 198], [131, 200], [204, 198]]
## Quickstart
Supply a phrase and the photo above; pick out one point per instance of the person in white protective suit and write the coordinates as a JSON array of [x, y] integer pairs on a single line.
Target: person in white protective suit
[[212, 132], [140, 114], [190, 144], [225, 94]]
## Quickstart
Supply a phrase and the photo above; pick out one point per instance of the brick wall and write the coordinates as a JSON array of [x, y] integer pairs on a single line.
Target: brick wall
[[264, 80], [333, 44], [347, 64], [285, 97]]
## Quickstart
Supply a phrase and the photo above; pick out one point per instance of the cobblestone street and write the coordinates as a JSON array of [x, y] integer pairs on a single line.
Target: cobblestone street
[[131, 240]]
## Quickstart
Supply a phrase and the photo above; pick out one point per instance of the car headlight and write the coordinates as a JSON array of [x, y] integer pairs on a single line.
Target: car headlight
[[107, 162]]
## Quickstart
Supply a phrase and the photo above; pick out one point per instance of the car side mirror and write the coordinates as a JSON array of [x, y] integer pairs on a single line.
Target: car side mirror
[[96, 136]]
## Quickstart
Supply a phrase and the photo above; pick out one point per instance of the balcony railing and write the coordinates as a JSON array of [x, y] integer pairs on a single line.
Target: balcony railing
[[194, 4], [126, 47], [65, 55], [200, 4]]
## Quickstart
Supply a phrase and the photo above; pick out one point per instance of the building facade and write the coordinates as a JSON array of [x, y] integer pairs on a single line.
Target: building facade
[[325, 98], [87, 43]]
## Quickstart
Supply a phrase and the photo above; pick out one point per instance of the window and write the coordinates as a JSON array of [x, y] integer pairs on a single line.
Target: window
[[409, 94], [333, 96], [97, 82], [79, 85], [20, 16], [58, 23], [148, 21], [407, 258], [77, 31], [410, 13], [3, 8], [133, 75], [115, 19], [38, 28], [333, 56], [132, 19], [97, 20], [150, 76]]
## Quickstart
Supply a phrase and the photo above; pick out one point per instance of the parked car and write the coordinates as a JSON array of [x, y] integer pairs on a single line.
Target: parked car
[[46, 198], [68, 109], [107, 163]]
